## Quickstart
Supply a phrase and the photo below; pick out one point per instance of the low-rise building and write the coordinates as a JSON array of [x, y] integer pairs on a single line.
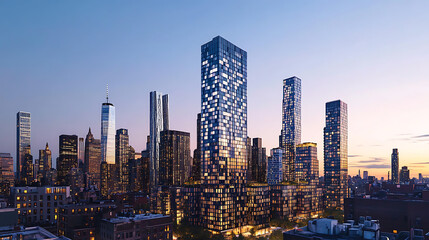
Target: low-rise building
[[142, 226], [82, 221], [37, 205], [324, 228], [38, 233]]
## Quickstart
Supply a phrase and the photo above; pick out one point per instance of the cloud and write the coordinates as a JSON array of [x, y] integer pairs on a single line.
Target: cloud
[[372, 166], [421, 136], [352, 156], [420, 163], [373, 160]]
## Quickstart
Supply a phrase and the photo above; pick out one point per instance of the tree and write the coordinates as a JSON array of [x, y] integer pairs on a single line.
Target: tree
[[276, 235]]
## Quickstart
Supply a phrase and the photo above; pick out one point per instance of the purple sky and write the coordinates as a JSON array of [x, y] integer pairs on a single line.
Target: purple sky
[[56, 58]]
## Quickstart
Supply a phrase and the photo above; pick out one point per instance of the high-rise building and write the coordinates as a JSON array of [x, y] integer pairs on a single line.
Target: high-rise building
[[275, 167], [335, 153], [404, 175], [291, 124], [259, 161], [122, 157], [158, 123], [108, 132], [81, 152], [223, 135], [92, 160], [395, 166], [307, 164], [27, 171], [174, 158], [67, 159], [365, 175], [23, 139], [196, 163], [6, 173], [45, 164]]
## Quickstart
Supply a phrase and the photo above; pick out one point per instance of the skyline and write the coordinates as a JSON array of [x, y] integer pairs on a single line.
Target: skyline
[[130, 95]]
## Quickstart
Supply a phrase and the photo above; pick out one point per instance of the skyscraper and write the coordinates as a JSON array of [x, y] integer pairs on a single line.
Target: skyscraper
[[158, 122], [335, 153], [67, 159], [81, 151], [45, 164], [306, 164], [275, 165], [23, 139], [92, 160], [122, 157], [291, 124], [223, 134], [404, 175], [108, 132], [259, 161], [395, 166], [174, 158]]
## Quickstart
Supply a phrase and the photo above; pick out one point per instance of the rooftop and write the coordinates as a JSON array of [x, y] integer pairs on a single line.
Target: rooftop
[[139, 217]]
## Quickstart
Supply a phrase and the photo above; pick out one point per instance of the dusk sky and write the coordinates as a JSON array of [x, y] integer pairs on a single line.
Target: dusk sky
[[56, 58]]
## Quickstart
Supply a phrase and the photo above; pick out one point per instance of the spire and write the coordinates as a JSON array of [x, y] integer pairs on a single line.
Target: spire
[[89, 131], [107, 93], [47, 146]]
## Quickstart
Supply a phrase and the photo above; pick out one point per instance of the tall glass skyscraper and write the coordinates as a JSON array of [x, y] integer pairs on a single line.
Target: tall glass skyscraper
[[291, 125], [335, 153], [23, 139], [108, 132], [158, 122], [395, 166], [223, 134]]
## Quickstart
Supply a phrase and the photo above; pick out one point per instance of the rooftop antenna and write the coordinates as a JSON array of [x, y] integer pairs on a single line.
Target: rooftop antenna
[[107, 93]]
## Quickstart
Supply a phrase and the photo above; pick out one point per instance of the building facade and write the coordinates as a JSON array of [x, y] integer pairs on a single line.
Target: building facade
[[223, 135], [37, 205], [159, 122], [23, 139], [122, 158], [174, 158], [291, 124], [7, 178], [259, 162], [68, 158], [143, 226], [275, 167], [307, 164], [335, 154]]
